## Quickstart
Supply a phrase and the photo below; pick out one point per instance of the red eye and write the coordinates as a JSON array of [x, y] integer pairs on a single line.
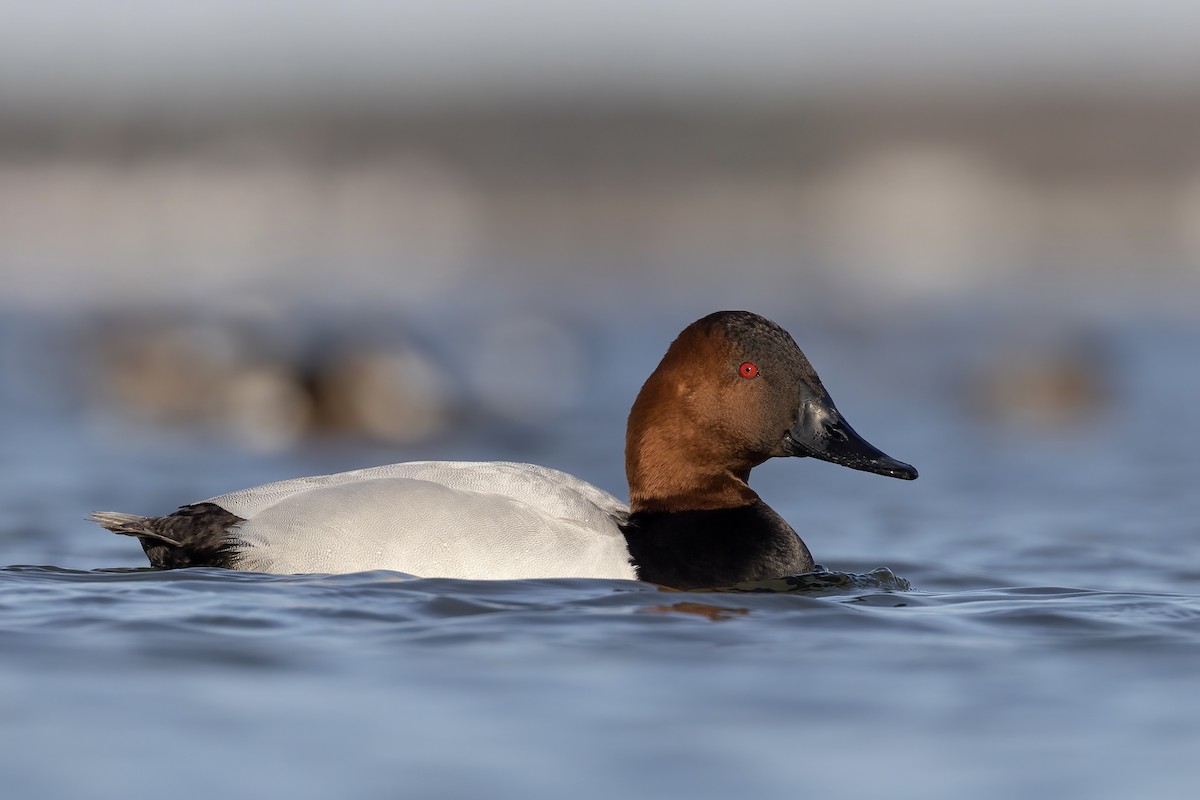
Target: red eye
[[748, 370]]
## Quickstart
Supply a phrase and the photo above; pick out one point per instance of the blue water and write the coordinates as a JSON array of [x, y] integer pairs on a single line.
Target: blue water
[[1049, 645]]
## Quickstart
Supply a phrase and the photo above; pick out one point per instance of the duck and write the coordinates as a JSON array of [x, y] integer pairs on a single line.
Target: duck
[[732, 391]]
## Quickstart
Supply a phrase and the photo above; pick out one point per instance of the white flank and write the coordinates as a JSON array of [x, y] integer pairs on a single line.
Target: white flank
[[477, 520]]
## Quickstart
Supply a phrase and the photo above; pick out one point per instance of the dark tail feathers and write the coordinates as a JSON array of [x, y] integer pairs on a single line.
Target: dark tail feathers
[[197, 535], [131, 525]]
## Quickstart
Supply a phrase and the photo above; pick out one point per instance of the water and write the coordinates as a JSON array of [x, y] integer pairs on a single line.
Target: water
[[1048, 646]]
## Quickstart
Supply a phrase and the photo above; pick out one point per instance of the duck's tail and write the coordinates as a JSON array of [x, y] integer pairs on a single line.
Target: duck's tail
[[197, 535], [131, 525]]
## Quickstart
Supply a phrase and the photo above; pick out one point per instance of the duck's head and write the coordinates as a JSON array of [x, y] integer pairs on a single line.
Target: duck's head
[[733, 390]]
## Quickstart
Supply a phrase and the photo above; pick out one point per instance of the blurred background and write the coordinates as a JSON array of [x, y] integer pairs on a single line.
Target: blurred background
[[412, 151], [398, 223]]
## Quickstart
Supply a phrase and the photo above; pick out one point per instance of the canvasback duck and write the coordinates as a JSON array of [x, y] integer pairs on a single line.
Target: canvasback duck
[[732, 391]]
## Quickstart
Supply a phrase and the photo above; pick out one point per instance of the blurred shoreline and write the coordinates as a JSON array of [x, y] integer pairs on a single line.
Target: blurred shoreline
[[909, 195]]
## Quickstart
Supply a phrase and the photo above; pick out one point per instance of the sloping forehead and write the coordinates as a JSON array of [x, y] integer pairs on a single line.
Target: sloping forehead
[[757, 338], [749, 329]]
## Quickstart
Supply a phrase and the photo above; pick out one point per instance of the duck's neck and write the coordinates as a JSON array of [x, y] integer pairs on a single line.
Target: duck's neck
[[673, 463], [664, 487]]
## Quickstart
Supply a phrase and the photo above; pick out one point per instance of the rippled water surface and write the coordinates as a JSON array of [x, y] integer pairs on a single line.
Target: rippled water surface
[[1049, 645]]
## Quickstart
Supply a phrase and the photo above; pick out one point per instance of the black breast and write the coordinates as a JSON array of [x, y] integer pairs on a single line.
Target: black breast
[[698, 549]]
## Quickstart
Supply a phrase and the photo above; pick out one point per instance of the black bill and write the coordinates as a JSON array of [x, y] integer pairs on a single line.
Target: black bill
[[822, 432]]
